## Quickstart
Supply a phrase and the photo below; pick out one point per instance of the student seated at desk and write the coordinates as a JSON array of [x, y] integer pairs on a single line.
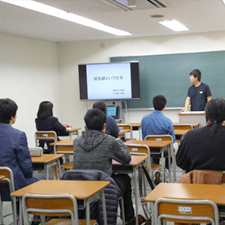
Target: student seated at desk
[[204, 148], [111, 126], [94, 149], [45, 121], [157, 123], [14, 151]]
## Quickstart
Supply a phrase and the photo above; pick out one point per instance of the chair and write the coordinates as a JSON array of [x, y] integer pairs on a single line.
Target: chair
[[186, 211], [124, 126], [112, 191], [7, 172], [45, 136], [164, 137], [52, 205], [138, 149]]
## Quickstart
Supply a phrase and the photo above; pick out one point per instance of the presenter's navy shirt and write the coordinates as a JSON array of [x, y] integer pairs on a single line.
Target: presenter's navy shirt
[[199, 96]]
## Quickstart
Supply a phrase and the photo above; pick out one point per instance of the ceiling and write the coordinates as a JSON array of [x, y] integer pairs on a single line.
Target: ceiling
[[197, 15]]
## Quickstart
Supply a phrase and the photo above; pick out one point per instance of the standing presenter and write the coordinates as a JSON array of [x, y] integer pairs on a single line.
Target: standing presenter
[[198, 94]]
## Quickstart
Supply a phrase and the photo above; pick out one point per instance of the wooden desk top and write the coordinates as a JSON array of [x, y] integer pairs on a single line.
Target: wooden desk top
[[151, 144], [63, 142], [132, 124], [121, 132], [73, 129], [193, 124], [214, 193], [191, 113], [46, 158], [135, 160], [180, 132], [2, 177], [79, 189]]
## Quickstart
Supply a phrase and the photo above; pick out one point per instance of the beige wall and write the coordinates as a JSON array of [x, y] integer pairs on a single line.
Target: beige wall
[[29, 74], [73, 53]]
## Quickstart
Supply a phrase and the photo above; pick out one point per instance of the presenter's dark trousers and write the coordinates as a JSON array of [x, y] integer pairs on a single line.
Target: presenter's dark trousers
[[124, 183]]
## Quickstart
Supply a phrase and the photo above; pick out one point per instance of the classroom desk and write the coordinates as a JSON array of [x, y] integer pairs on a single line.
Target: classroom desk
[[161, 145], [122, 132], [136, 162], [211, 192], [194, 125], [88, 191], [48, 160], [73, 131], [180, 132], [135, 126]]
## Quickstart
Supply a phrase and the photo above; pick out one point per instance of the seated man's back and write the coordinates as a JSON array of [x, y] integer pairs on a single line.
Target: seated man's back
[[95, 149], [14, 151]]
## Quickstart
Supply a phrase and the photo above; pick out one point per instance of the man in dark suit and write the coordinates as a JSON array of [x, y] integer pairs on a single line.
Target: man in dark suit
[[14, 151]]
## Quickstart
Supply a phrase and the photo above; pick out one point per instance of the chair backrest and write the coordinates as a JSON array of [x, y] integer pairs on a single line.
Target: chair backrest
[[7, 172], [124, 126], [186, 211], [63, 149], [50, 205], [159, 137], [139, 149], [182, 127], [45, 136]]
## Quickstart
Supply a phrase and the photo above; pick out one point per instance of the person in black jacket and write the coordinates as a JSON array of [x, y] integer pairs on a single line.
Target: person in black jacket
[[204, 148], [45, 121]]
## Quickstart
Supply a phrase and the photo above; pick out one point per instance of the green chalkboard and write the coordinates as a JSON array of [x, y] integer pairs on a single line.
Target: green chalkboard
[[168, 75]]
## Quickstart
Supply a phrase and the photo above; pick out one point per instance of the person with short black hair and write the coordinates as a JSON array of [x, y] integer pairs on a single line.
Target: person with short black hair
[[94, 149], [203, 148], [45, 121], [198, 94], [157, 123], [14, 152], [111, 126]]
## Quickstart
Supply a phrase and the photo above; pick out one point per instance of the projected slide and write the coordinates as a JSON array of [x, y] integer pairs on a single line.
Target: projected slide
[[109, 81]]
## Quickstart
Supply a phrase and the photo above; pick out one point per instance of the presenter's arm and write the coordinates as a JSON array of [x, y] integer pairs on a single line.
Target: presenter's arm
[[187, 103], [209, 98]]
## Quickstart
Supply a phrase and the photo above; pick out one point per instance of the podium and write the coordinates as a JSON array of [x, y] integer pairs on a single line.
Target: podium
[[193, 117]]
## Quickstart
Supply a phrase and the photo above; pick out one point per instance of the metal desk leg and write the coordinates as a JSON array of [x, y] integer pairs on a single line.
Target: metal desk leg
[[174, 164], [1, 211], [88, 212], [135, 193], [169, 160], [21, 211], [46, 171], [104, 207], [163, 165]]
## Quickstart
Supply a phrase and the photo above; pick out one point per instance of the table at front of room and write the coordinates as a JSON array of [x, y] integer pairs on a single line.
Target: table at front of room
[[86, 191], [48, 160], [161, 145], [211, 192], [136, 162]]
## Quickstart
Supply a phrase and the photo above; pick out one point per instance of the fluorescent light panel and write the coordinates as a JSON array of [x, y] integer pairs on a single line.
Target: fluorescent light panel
[[49, 10], [174, 25]]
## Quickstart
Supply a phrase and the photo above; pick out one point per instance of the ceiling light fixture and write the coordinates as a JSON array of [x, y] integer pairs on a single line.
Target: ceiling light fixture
[[49, 10], [174, 25]]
